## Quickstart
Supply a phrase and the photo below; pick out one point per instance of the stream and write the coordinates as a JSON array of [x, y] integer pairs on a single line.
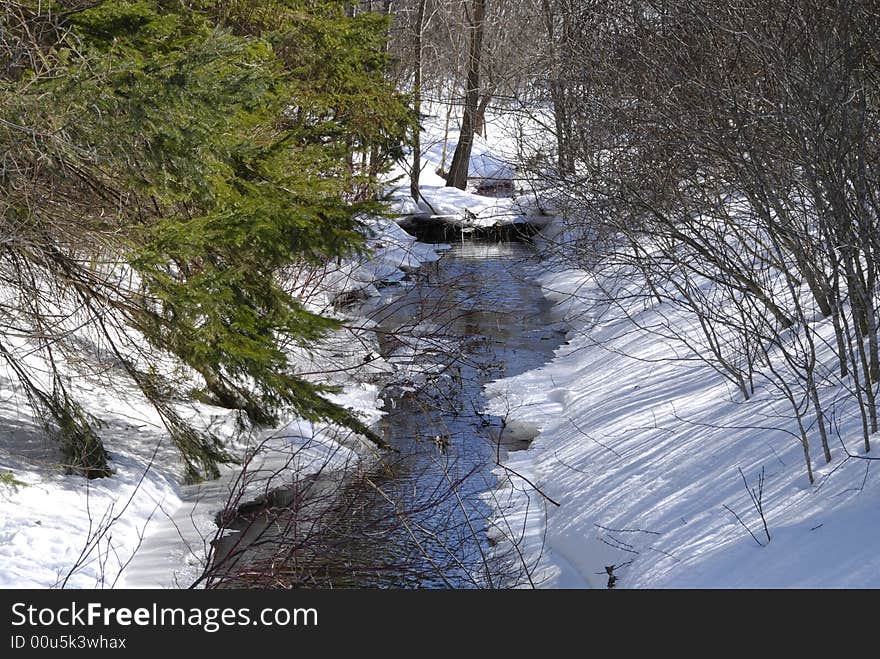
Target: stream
[[419, 518]]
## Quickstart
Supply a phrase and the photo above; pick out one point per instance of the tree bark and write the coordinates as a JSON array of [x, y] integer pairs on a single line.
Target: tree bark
[[417, 104], [458, 170]]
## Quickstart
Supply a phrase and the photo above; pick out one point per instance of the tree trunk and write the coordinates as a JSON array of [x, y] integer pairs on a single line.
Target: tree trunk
[[375, 165], [557, 88], [417, 105], [458, 170], [480, 120]]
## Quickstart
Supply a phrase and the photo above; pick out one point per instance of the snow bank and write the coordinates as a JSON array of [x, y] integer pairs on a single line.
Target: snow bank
[[391, 254], [492, 162], [643, 455]]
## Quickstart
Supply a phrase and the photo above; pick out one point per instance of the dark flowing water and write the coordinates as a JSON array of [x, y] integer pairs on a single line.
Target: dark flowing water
[[418, 519]]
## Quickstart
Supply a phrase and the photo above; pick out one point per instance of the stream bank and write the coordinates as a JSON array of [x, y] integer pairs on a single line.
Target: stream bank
[[420, 517]]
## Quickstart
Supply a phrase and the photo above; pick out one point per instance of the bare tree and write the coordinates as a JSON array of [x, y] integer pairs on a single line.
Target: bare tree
[[458, 169]]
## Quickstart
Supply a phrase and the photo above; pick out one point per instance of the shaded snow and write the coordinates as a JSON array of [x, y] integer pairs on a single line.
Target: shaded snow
[[643, 454]]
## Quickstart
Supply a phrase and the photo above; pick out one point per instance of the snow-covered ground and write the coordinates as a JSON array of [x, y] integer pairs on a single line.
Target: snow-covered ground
[[639, 461], [142, 527], [643, 453]]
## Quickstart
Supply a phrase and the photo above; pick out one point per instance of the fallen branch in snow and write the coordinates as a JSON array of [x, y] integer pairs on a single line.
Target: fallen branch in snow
[[591, 438], [616, 545], [605, 528], [568, 466]]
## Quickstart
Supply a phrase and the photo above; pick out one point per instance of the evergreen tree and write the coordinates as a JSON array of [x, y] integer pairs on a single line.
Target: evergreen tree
[[166, 161]]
